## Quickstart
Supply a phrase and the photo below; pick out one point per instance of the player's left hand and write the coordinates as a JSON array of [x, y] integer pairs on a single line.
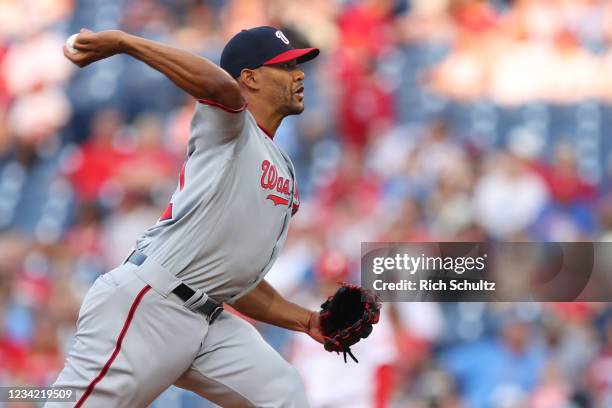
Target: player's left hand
[[347, 317]]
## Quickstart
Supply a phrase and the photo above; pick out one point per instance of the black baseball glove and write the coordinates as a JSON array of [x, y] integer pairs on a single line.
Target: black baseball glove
[[347, 317]]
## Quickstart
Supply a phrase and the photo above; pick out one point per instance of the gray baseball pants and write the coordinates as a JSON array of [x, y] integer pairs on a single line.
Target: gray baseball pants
[[135, 338]]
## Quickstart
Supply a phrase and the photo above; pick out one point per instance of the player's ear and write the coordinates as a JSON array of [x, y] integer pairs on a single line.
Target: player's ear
[[250, 78]]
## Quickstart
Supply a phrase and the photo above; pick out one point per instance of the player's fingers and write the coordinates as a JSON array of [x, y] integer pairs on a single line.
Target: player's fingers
[[85, 36], [80, 59], [81, 45], [83, 39], [68, 54]]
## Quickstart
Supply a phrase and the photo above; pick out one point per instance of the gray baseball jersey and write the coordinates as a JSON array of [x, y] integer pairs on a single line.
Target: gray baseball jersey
[[220, 234], [229, 215]]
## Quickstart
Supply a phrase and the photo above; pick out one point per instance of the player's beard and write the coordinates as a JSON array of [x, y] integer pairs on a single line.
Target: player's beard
[[294, 106], [291, 107], [296, 109], [288, 102]]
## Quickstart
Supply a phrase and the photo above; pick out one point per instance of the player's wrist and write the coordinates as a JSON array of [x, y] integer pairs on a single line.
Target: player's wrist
[[313, 319], [306, 322], [314, 327], [122, 42]]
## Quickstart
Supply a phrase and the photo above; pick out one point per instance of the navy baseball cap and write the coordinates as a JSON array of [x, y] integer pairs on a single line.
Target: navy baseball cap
[[261, 46]]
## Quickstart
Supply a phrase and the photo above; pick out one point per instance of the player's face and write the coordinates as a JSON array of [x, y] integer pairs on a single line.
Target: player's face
[[285, 87]]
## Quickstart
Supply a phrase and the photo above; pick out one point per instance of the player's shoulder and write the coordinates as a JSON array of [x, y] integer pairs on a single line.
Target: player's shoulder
[[216, 105], [214, 124], [213, 115]]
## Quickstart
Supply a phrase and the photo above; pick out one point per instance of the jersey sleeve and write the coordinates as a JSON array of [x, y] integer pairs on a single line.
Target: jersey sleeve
[[214, 124]]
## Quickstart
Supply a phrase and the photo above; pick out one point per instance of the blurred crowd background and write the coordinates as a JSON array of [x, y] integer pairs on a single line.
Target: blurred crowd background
[[425, 120]]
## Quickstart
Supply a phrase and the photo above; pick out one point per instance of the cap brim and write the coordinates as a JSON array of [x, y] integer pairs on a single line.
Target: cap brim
[[301, 54]]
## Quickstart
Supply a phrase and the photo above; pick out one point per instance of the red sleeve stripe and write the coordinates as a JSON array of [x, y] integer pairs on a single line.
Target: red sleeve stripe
[[167, 213], [113, 356], [221, 106], [182, 177]]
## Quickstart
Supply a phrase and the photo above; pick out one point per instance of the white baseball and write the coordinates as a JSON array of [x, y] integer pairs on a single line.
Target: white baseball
[[70, 43]]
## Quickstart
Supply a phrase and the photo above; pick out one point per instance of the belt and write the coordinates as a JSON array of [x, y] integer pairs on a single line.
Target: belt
[[210, 308]]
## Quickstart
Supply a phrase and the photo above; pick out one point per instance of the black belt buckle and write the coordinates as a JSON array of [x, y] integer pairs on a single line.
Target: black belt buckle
[[214, 314]]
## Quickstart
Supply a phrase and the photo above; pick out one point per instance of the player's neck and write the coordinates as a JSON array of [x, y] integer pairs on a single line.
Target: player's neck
[[266, 117]]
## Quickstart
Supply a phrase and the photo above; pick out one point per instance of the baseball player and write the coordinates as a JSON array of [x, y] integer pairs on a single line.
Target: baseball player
[[158, 319]]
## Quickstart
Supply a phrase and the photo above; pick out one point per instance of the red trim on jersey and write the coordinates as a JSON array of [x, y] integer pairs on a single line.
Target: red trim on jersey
[[182, 177], [296, 201], [113, 356], [289, 55], [270, 135], [221, 106], [167, 213], [277, 200]]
